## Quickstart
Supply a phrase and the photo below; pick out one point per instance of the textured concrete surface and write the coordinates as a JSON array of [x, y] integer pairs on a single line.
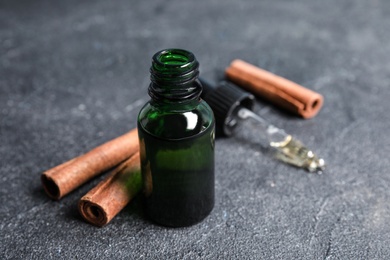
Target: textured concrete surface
[[73, 74]]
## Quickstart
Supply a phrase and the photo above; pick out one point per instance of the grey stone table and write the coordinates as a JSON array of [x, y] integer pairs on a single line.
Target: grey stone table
[[73, 74]]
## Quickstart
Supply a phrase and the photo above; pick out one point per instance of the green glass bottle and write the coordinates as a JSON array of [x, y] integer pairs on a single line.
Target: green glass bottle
[[176, 133]]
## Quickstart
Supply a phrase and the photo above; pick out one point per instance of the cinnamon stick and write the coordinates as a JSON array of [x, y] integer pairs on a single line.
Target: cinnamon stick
[[112, 194], [278, 90], [64, 178]]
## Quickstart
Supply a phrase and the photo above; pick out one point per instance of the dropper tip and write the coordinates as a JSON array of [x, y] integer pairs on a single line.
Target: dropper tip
[[317, 165]]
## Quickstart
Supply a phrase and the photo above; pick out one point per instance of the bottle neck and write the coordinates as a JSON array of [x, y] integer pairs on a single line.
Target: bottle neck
[[174, 77]]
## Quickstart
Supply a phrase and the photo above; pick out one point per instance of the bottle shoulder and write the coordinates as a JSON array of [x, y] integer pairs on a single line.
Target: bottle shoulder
[[175, 121]]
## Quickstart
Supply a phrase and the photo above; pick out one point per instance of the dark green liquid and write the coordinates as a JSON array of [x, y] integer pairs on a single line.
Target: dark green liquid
[[178, 174]]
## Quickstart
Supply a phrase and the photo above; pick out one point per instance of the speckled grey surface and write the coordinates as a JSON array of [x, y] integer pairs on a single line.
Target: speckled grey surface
[[73, 74]]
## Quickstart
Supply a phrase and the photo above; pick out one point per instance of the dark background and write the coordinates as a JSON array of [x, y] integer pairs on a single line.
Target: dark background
[[74, 74]]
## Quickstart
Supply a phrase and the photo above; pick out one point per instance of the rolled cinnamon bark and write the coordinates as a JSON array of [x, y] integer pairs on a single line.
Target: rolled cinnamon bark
[[278, 90], [64, 178], [112, 194]]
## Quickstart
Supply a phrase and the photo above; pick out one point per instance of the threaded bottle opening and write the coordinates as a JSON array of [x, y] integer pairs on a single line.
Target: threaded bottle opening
[[174, 75]]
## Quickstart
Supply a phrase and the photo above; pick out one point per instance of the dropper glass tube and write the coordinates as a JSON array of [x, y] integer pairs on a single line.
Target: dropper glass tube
[[286, 148]]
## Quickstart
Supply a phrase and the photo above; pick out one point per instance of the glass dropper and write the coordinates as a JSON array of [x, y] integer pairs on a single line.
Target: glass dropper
[[232, 108]]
